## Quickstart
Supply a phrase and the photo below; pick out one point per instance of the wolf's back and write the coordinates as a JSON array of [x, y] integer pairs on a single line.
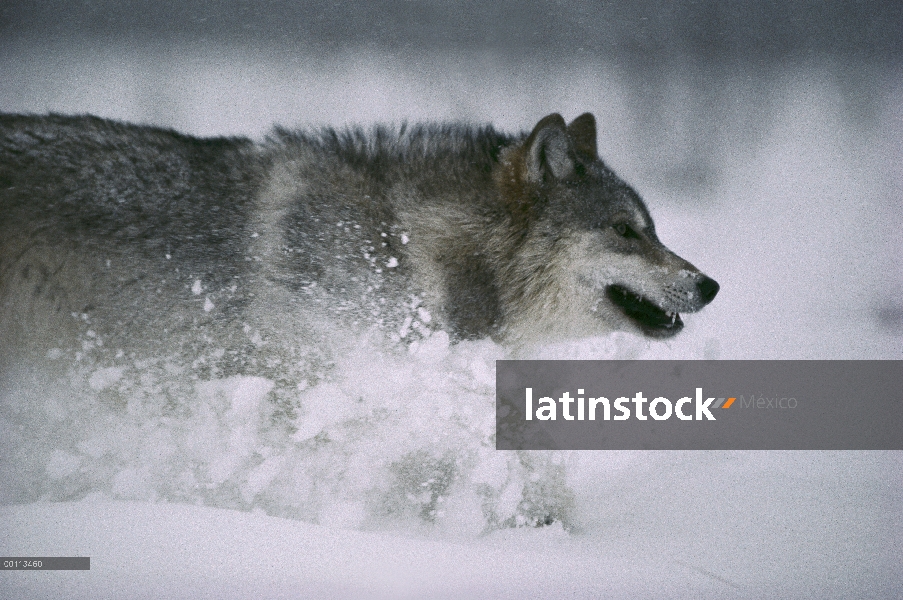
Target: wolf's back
[[104, 181], [107, 223]]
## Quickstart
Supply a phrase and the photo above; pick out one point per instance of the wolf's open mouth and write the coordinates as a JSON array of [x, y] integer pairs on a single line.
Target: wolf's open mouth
[[654, 321]]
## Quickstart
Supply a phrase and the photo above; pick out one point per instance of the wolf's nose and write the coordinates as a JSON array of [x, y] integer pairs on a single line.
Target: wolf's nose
[[708, 288]]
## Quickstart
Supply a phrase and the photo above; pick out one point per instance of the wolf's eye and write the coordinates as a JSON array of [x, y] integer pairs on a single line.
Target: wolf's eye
[[625, 230]]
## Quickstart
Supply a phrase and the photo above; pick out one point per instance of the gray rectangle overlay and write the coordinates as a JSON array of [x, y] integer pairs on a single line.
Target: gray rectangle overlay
[[45, 563], [777, 405]]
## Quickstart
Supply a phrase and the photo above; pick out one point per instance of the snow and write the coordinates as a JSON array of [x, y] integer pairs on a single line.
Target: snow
[[104, 378], [177, 551], [211, 499]]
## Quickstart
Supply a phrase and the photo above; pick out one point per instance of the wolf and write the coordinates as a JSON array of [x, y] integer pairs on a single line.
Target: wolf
[[142, 238], [185, 262]]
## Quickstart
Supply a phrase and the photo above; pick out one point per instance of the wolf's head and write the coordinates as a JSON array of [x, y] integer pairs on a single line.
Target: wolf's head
[[588, 259]]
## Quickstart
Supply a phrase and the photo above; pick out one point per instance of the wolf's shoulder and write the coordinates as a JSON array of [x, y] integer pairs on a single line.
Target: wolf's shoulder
[[383, 147]]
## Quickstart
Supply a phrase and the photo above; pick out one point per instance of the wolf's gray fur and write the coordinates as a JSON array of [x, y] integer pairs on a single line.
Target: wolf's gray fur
[[146, 239]]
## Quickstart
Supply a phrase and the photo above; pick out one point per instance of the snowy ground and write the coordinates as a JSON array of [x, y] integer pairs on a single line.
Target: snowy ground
[[784, 186]]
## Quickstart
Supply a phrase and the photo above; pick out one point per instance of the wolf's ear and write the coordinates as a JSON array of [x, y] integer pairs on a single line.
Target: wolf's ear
[[549, 150], [583, 133]]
